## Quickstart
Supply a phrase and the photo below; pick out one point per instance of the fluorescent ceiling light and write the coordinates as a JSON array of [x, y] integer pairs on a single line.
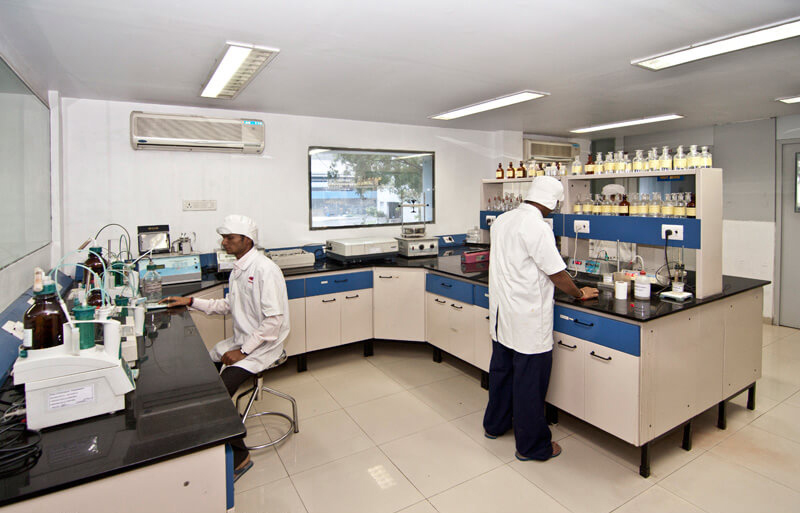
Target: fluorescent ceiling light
[[789, 99], [643, 121], [239, 64], [730, 43], [496, 103]]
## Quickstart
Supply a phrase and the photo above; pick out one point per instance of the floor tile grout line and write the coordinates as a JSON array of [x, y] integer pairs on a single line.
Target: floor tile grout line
[[665, 490], [726, 460]]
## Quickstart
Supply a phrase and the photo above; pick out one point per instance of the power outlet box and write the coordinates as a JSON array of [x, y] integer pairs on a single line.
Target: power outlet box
[[580, 226], [677, 231], [194, 205], [490, 220]]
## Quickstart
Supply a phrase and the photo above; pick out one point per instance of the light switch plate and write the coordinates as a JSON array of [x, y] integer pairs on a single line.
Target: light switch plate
[[196, 205]]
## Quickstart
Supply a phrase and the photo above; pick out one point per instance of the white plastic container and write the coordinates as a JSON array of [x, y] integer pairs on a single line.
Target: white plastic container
[[620, 290], [641, 287]]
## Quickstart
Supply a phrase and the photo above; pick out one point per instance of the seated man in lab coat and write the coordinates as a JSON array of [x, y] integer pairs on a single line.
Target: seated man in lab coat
[[259, 305], [524, 266]]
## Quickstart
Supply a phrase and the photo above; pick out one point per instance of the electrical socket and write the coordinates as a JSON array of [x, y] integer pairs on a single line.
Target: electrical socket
[[677, 231], [490, 220], [580, 226], [199, 205]]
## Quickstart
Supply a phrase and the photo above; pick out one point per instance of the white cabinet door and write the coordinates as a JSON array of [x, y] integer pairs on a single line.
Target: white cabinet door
[[323, 321], [483, 342], [356, 315], [399, 304], [743, 344], [210, 327], [437, 321], [460, 333], [566, 389], [612, 391], [295, 343]]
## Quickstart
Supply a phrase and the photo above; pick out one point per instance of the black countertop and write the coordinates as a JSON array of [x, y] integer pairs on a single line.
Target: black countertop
[[179, 406], [449, 263]]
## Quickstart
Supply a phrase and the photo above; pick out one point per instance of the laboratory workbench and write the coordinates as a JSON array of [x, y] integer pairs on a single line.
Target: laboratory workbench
[[165, 447], [635, 369], [449, 263]]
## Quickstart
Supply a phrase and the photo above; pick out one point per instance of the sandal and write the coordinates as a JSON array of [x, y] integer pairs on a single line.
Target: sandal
[[556, 452], [239, 473]]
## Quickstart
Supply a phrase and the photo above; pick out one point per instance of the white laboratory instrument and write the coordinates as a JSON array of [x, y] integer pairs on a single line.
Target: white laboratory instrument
[[224, 260], [175, 268], [289, 258], [412, 241], [65, 383], [361, 248]]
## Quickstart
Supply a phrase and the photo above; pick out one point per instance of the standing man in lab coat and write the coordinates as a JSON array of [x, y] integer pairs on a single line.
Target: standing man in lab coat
[[259, 305], [524, 266]]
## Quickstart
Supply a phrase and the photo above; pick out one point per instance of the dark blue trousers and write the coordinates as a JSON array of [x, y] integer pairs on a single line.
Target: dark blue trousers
[[517, 388]]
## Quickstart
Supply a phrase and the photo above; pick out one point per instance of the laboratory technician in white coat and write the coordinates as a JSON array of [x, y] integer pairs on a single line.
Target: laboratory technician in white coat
[[524, 266], [258, 302]]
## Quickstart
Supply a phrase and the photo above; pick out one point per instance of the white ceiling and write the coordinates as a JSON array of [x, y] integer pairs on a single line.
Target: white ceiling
[[402, 61]]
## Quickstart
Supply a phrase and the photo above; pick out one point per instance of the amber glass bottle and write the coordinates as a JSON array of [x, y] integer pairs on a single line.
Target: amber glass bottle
[[44, 320], [624, 206], [499, 173]]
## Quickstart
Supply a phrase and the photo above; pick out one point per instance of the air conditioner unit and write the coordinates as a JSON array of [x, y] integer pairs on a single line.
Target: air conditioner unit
[[542, 150], [195, 133]]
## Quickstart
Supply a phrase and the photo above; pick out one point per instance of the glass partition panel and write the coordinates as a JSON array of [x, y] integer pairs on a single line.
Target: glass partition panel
[[24, 169]]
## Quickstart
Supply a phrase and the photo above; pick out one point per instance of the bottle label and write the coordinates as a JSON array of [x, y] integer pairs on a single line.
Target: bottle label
[[708, 161], [576, 170], [596, 209], [27, 338], [654, 209], [691, 212], [654, 165], [615, 209], [605, 209], [695, 162], [680, 163], [619, 167], [638, 165], [641, 289], [589, 169], [680, 212], [499, 174], [628, 166], [623, 209], [666, 164], [540, 172], [608, 167], [577, 208], [519, 173], [510, 173], [668, 210]]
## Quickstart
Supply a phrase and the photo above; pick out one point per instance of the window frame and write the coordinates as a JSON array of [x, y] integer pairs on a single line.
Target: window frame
[[432, 206]]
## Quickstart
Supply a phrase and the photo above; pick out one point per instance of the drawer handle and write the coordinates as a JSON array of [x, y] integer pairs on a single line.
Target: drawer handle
[[456, 306], [385, 277], [449, 286], [600, 357], [351, 297], [329, 300], [439, 300], [587, 324], [567, 345], [340, 281], [487, 317]]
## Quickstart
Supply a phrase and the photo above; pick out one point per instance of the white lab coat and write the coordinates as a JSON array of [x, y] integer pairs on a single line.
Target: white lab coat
[[259, 305], [523, 256]]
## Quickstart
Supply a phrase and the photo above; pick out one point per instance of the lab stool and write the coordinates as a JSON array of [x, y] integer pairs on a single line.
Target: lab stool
[[255, 393]]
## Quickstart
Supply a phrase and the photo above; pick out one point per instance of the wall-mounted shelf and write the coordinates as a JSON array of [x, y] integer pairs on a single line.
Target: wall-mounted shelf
[[638, 230]]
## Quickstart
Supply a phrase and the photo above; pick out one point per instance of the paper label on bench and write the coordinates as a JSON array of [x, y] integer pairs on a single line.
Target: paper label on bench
[[71, 397]]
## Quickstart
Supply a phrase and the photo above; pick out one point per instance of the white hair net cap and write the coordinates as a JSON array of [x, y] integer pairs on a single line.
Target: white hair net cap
[[240, 225], [613, 188], [546, 191]]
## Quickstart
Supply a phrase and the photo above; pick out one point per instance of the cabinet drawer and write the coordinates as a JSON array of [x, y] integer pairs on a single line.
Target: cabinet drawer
[[453, 289], [296, 288], [320, 285], [480, 296], [600, 330]]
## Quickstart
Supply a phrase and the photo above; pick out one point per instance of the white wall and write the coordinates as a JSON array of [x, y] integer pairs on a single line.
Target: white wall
[[105, 180], [748, 250]]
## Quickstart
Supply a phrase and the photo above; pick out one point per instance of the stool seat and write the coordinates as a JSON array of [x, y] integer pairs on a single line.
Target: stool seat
[[256, 391]]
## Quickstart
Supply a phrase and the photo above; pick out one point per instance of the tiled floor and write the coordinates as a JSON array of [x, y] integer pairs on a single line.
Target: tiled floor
[[396, 432]]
